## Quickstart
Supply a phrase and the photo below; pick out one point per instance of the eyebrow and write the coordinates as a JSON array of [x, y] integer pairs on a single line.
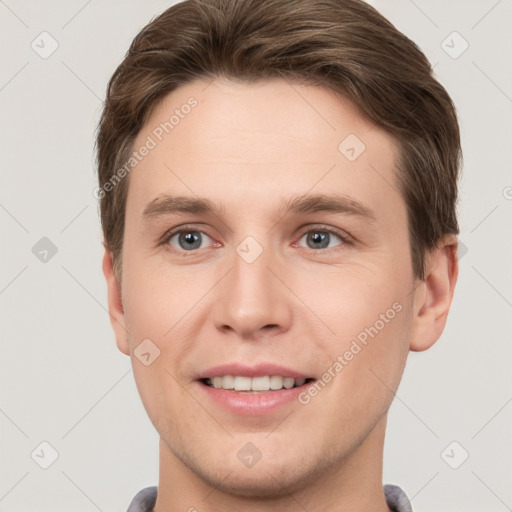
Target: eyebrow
[[317, 203], [168, 205], [328, 204]]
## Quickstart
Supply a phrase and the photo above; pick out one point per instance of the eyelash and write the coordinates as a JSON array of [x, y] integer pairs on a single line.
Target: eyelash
[[345, 238]]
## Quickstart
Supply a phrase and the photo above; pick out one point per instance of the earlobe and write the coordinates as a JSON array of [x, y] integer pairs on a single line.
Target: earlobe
[[115, 304], [432, 299]]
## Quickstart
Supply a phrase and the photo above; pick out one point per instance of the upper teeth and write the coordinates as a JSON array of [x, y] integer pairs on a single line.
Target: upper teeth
[[264, 383]]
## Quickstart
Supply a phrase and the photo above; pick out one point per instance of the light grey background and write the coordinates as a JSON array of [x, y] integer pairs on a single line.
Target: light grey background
[[63, 380]]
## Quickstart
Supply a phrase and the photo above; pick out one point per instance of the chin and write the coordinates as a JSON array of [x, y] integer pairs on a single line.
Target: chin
[[270, 479], [263, 483]]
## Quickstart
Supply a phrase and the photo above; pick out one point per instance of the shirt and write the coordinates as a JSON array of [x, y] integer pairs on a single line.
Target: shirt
[[397, 500]]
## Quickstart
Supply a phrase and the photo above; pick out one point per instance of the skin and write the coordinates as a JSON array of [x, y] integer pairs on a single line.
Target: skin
[[249, 148]]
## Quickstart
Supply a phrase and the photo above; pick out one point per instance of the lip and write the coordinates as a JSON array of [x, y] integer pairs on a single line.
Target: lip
[[252, 404], [258, 370]]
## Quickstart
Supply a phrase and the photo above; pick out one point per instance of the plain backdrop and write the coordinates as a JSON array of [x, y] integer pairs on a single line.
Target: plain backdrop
[[62, 380]]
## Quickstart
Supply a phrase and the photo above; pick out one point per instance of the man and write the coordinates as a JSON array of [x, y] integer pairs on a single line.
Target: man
[[277, 184]]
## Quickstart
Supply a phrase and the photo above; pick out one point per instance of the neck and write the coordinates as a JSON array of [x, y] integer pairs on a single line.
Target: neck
[[352, 483]]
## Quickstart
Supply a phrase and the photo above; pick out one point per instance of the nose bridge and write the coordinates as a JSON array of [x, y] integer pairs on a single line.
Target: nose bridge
[[252, 298]]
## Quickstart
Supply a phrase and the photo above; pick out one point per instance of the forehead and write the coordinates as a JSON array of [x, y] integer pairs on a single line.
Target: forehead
[[206, 137]]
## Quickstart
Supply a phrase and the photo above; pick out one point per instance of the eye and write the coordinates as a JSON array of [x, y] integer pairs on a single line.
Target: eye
[[188, 240], [323, 238]]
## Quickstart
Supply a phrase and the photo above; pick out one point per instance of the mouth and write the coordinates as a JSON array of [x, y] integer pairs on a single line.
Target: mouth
[[258, 390], [254, 385]]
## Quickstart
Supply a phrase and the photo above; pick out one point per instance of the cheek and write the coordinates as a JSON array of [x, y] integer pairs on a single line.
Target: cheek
[[366, 376], [161, 396], [368, 315], [159, 314], [384, 348], [350, 300], [156, 301]]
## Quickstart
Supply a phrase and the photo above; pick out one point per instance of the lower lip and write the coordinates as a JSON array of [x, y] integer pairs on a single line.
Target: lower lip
[[252, 404]]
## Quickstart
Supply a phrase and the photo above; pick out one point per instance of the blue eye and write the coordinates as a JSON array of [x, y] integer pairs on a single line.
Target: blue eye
[[188, 240], [321, 239]]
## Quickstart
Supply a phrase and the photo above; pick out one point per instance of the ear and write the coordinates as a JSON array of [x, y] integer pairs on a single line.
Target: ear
[[115, 305], [433, 296]]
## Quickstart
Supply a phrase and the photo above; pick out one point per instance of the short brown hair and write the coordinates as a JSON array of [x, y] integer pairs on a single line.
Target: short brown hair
[[343, 45]]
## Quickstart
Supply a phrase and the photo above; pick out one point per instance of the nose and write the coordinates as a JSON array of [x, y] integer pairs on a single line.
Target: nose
[[252, 302]]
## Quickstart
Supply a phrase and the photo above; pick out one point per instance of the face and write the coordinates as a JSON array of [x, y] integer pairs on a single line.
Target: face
[[263, 250]]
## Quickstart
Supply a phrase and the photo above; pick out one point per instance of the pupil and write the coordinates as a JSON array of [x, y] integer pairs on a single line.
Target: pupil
[[320, 239], [191, 240]]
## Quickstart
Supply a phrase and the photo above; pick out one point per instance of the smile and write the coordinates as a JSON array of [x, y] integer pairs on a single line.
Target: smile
[[258, 384]]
